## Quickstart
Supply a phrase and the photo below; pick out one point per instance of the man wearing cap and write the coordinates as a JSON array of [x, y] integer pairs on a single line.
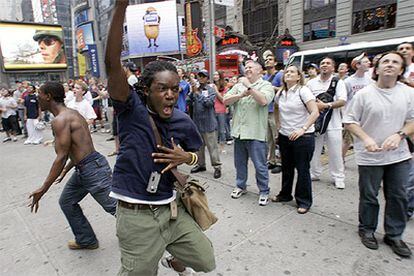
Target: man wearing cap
[[354, 83], [202, 100], [130, 68], [313, 71], [51, 46], [275, 78], [342, 71]]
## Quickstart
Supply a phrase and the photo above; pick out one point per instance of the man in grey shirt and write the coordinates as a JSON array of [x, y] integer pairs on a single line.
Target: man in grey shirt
[[381, 116]]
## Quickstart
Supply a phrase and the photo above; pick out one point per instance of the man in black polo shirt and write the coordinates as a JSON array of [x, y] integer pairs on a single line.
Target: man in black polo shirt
[[32, 115], [142, 182]]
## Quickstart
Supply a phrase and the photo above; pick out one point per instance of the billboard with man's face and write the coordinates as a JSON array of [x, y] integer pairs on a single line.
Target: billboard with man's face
[[152, 28], [32, 46]]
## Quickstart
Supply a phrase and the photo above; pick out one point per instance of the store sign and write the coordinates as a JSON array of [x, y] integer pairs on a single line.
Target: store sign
[[93, 57], [219, 32], [230, 41]]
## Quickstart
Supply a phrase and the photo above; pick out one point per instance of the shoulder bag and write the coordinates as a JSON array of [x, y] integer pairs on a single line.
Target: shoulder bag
[[192, 192]]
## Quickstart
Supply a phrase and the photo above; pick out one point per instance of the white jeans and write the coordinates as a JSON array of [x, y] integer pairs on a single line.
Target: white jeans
[[35, 136], [333, 139]]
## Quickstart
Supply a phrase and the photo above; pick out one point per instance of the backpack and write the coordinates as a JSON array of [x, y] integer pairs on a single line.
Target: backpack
[[324, 118]]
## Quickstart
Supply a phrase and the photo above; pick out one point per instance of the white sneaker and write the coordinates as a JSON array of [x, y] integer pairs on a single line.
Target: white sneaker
[[263, 199], [26, 143], [237, 192], [230, 142], [340, 184]]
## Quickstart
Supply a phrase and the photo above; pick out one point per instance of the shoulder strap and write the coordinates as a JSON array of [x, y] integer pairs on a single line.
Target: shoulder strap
[[332, 86], [181, 179], [272, 77]]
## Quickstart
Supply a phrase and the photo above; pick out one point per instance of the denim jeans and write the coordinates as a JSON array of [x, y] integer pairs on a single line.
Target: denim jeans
[[221, 121], [257, 152], [92, 175], [410, 189], [394, 178], [228, 128], [297, 155]]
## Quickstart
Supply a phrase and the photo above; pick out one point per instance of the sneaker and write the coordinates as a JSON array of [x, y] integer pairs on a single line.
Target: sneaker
[[277, 169], [398, 247], [75, 246], [217, 173], [314, 178], [14, 139], [166, 262], [340, 184], [26, 143], [369, 240], [230, 142], [263, 199], [237, 192], [7, 139]]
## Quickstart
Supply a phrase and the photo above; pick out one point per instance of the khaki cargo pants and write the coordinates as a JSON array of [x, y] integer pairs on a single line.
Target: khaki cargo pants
[[144, 235]]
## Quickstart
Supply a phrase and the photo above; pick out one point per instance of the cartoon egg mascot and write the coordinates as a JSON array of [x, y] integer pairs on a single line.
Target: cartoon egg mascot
[[151, 25]]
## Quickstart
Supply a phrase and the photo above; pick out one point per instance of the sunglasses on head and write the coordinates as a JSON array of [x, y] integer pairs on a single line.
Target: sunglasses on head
[[48, 40]]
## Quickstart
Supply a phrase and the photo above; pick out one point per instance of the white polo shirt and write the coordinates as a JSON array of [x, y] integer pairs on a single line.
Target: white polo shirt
[[317, 86], [293, 113]]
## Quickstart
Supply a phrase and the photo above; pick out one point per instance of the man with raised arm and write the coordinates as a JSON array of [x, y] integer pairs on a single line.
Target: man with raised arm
[[148, 220], [92, 172]]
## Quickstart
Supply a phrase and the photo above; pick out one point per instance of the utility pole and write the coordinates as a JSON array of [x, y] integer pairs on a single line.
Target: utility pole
[[212, 46]]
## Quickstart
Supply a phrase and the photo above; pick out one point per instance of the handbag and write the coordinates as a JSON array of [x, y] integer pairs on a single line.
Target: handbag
[[322, 122], [191, 191]]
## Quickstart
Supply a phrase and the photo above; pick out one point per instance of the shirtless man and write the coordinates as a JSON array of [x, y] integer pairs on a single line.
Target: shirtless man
[[92, 172]]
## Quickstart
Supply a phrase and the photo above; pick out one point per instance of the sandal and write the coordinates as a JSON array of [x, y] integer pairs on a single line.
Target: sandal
[[302, 210]]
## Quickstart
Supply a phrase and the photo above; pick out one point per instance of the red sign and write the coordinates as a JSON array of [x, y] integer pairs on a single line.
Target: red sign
[[219, 32], [230, 41], [286, 43]]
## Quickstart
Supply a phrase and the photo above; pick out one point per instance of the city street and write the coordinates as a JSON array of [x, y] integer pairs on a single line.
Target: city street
[[248, 239]]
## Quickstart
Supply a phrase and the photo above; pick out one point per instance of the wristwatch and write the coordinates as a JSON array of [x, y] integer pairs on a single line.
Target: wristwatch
[[402, 134], [330, 105]]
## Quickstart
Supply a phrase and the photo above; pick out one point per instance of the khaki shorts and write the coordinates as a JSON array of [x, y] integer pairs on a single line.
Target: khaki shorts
[[347, 137], [144, 235]]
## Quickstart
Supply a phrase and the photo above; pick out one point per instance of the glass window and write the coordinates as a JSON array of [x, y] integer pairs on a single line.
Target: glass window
[[319, 29], [374, 19], [81, 16], [312, 4]]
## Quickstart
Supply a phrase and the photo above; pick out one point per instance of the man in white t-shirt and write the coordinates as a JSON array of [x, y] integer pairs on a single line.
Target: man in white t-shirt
[[354, 83], [80, 104], [381, 116], [333, 135], [406, 49]]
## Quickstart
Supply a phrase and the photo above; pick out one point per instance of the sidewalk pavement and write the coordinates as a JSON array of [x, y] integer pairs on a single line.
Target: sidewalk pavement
[[248, 239]]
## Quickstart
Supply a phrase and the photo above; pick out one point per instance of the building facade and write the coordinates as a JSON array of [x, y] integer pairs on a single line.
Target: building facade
[[323, 23]]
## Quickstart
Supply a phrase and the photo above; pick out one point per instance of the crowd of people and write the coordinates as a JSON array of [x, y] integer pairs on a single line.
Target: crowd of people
[[267, 109]]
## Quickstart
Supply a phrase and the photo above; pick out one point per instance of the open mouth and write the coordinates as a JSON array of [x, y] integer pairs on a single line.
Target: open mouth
[[168, 109]]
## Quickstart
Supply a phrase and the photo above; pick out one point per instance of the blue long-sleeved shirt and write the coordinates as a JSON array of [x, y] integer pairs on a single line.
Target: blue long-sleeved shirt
[[203, 109]]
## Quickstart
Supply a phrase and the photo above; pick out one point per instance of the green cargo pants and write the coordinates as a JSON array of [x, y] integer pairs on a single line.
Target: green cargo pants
[[144, 235]]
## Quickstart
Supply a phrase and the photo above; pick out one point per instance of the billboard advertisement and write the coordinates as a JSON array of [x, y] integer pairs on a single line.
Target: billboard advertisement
[[44, 11], [32, 46], [152, 28], [84, 36], [93, 57]]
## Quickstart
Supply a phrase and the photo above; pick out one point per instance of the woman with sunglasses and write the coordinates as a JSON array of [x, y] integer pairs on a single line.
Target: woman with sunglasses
[[297, 113]]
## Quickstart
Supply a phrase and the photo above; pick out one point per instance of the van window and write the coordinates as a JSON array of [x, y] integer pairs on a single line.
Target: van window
[[295, 61]]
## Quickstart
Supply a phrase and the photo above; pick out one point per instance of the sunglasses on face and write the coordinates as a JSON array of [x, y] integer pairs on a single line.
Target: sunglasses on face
[[48, 40]]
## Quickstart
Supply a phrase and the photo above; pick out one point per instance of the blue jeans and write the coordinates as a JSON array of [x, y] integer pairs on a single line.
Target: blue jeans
[[410, 190], [92, 175], [394, 178], [221, 121], [297, 155], [228, 128], [257, 152]]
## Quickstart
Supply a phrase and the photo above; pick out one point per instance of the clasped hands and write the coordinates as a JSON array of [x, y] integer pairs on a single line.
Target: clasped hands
[[391, 143]]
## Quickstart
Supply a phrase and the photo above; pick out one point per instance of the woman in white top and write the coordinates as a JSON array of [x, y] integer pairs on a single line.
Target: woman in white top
[[296, 115]]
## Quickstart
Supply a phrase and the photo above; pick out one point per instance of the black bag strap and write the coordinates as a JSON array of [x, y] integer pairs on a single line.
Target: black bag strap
[[332, 86], [181, 179], [272, 77]]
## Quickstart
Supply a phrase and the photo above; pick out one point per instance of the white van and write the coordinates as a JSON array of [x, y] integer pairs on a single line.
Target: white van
[[346, 53]]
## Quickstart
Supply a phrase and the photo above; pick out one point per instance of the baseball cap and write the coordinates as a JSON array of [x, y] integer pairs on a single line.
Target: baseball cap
[[203, 72], [357, 60], [267, 53], [40, 34], [313, 65], [131, 66]]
